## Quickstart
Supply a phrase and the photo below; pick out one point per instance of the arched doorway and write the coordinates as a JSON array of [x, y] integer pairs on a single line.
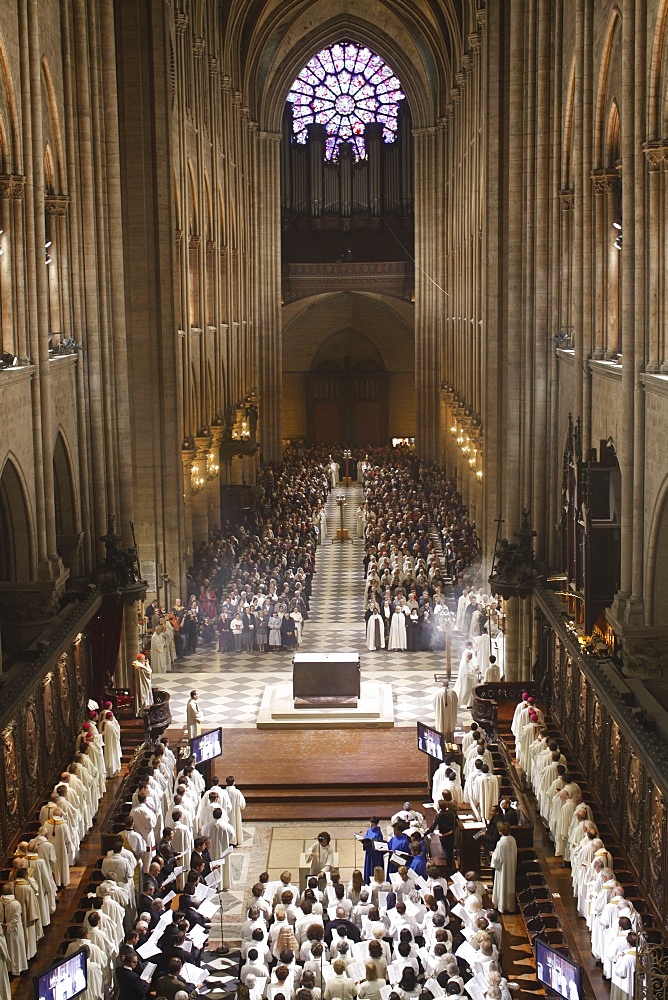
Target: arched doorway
[[347, 392], [16, 562], [68, 538], [658, 556]]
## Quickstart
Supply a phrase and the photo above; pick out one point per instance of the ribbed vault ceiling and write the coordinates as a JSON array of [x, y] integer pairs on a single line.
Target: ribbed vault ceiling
[[268, 41]]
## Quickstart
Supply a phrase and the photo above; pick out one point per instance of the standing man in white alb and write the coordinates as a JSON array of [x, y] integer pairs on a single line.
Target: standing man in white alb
[[194, 715], [238, 804]]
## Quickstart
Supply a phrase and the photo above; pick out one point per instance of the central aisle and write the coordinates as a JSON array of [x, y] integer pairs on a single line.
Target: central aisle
[[231, 685]]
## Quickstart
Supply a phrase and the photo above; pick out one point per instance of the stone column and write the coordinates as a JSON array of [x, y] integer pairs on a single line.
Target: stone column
[[187, 459], [213, 483], [512, 650], [270, 361], [628, 317], [602, 183], [636, 353], [200, 512], [655, 154], [428, 244]]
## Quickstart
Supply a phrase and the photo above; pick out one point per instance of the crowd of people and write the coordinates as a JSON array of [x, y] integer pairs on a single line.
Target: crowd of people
[[249, 587], [404, 931], [611, 918], [41, 866], [405, 503]]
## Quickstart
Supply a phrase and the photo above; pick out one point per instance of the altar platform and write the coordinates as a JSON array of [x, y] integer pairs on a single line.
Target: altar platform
[[374, 710]]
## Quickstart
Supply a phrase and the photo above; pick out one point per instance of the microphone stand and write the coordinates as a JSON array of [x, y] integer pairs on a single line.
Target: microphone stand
[[222, 949]]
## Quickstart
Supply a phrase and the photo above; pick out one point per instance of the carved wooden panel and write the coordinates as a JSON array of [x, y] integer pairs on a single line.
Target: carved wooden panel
[[620, 771], [656, 847], [581, 712], [37, 741]]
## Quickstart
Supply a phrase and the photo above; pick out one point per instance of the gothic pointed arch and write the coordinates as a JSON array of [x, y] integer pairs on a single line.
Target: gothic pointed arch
[[65, 503], [17, 544]]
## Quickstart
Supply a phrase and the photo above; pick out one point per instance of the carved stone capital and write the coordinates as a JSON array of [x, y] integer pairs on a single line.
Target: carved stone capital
[[178, 235], [12, 186], [180, 22], [604, 180], [467, 63], [481, 17], [475, 41], [210, 246], [567, 199], [655, 152], [455, 94], [202, 447], [198, 46], [236, 98], [213, 66], [56, 204], [194, 242]]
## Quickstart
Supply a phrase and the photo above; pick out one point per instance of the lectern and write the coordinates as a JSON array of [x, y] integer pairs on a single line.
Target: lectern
[[325, 679]]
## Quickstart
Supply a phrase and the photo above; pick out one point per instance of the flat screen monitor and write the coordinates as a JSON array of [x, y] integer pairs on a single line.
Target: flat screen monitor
[[64, 980], [207, 746], [430, 741], [557, 972]]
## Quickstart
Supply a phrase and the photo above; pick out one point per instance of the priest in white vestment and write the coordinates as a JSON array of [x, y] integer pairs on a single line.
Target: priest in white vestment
[[221, 833], [397, 638], [487, 791], [143, 689], [445, 711], [504, 863], [111, 731], [194, 715], [5, 988], [467, 679], [160, 660], [12, 923], [238, 805]]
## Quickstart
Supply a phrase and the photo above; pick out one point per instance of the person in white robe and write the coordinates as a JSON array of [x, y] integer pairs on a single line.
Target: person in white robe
[[79, 770], [375, 631], [445, 711], [12, 923], [483, 650], [599, 903], [238, 805], [487, 791], [397, 637], [220, 832], [113, 909], [504, 863], [479, 751], [143, 690], [322, 523], [25, 891], [5, 988], [57, 832], [111, 732], [120, 863], [615, 945], [361, 519], [333, 472], [493, 671], [42, 874], [472, 736], [95, 964], [624, 972], [183, 844], [144, 823], [467, 678], [461, 607], [194, 715], [160, 662]]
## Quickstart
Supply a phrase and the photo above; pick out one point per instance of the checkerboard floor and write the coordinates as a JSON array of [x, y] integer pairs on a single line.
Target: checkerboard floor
[[231, 685]]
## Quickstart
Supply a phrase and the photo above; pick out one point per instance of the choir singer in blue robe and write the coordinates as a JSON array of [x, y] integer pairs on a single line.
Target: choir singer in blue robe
[[372, 858]]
